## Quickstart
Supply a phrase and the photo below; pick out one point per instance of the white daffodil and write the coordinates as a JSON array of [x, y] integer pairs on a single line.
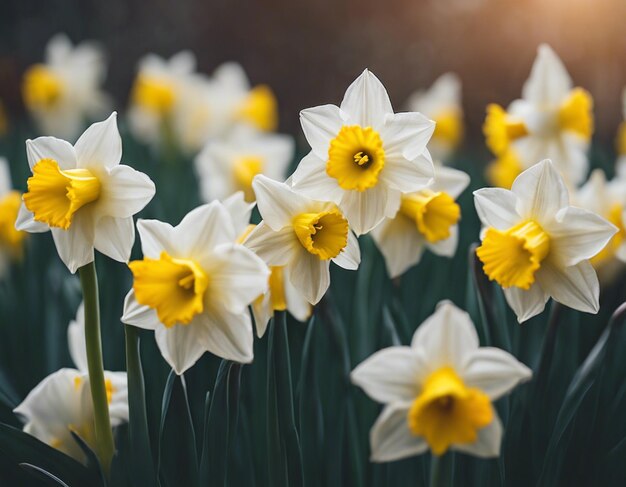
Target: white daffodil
[[84, 195], [11, 240], [536, 246], [363, 155], [426, 219], [438, 393], [227, 165], [302, 234], [552, 120], [441, 103], [608, 199], [64, 91], [62, 404], [193, 287]]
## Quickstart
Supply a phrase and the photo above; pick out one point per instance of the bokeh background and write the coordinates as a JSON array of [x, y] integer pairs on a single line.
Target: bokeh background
[[309, 51]]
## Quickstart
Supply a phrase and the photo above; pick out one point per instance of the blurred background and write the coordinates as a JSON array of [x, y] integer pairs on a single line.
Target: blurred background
[[308, 52]]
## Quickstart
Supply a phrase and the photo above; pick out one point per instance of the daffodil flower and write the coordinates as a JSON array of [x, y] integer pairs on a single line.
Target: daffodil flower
[[227, 165], [193, 287], [363, 155], [426, 219], [439, 392], [11, 240], [537, 246], [302, 234], [552, 120], [65, 90], [441, 103], [84, 195]]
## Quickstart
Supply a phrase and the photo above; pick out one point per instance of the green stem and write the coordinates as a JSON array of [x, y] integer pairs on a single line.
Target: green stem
[[441, 469], [104, 434]]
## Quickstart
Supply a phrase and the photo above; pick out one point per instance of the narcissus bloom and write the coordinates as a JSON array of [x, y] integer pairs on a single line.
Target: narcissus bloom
[[552, 120], [608, 199], [427, 219], [441, 103], [302, 234], [84, 195], [193, 287], [64, 91], [11, 240], [438, 393], [536, 246], [363, 155], [227, 165]]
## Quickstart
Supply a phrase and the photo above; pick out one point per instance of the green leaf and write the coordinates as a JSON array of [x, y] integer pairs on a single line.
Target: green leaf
[[43, 475]]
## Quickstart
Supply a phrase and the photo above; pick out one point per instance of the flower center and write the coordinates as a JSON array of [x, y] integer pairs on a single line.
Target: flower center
[[433, 212], [42, 89], [154, 94], [175, 288], [54, 195], [244, 170], [503, 171], [501, 129], [260, 109], [449, 127], [512, 257], [11, 238], [608, 252], [323, 234], [447, 412], [356, 157], [575, 114]]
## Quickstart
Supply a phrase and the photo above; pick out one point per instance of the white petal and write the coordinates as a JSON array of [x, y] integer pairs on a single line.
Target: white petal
[[494, 371], [447, 247], [393, 374], [320, 125], [5, 177], [496, 207], [58, 49], [262, 313], [156, 237], [229, 335], [275, 248], [181, 345], [407, 175], [447, 337], [100, 145], [124, 192], [549, 81], [575, 286], [365, 209], [577, 234], [297, 305], [390, 437], [115, 237], [277, 202], [350, 257], [25, 221], [76, 339], [450, 180], [406, 134], [526, 304], [138, 315], [400, 243], [366, 101], [310, 276], [51, 148], [203, 229], [239, 210], [541, 192], [75, 245], [118, 407], [311, 179], [488, 443], [237, 277]]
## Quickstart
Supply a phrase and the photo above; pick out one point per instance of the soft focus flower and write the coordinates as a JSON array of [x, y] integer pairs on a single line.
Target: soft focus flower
[[84, 195], [426, 219], [441, 103], [193, 287], [11, 239], [64, 91], [552, 120], [302, 234], [229, 164], [607, 199], [536, 246], [363, 155], [438, 393]]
